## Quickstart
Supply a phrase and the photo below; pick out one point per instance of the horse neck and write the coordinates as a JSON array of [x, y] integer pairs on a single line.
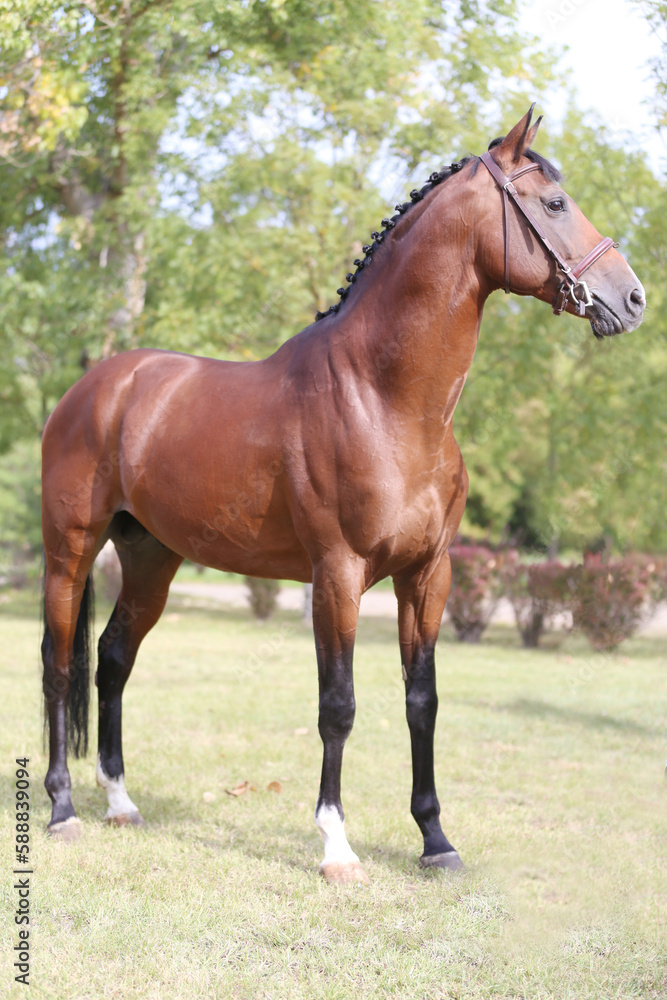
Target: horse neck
[[415, 320]]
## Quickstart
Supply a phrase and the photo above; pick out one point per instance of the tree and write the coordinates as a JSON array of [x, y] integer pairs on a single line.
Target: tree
[[195, 174], [199, 175]]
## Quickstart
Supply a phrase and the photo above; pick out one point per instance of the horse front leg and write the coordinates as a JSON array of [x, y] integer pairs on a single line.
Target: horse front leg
[[336, 594], [421, 602]]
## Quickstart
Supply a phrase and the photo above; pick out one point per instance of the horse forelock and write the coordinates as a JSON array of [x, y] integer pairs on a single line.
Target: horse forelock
[[550, 170]]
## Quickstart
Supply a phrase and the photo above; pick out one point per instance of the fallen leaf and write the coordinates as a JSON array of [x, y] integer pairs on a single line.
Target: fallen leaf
[[208, 797], [239, 789], [274, 786]]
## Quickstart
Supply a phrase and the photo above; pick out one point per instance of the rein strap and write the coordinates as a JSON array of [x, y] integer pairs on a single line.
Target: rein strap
[[567, 290]]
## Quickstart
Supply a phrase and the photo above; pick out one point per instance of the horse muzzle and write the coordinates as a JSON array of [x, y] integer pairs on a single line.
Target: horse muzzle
[[612, 314]]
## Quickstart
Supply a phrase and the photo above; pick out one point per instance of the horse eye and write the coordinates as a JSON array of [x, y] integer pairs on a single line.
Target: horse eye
[[557, 205]]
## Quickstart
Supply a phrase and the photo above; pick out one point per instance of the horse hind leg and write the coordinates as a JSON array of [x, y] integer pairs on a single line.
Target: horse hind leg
[[68, 607], [421, 602], [148, 568]]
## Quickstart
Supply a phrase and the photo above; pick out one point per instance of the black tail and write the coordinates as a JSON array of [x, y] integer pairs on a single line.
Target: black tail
[[78, 698]]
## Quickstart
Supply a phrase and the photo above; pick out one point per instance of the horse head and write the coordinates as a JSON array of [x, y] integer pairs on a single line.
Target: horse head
[[541, 244]]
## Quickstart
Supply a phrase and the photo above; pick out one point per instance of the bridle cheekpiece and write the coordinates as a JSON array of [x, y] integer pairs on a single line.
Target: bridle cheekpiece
[[571, 288]]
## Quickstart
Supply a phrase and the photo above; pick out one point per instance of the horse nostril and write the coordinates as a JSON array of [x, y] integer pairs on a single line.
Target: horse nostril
[[637, 297]]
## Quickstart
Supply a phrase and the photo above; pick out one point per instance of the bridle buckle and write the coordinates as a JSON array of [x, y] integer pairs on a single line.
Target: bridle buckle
[[586, 299], [577, 292]]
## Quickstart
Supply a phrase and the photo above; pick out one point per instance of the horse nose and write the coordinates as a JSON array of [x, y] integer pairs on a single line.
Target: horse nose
[[637, 299]]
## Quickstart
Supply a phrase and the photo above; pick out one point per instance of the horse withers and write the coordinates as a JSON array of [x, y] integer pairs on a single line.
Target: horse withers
[[333, 460]]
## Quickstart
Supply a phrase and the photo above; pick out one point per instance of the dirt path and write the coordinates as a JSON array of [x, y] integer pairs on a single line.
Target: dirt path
[[375, 603]]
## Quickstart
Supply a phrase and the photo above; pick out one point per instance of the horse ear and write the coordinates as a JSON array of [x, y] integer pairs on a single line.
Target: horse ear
[[532, 132], [514, 145]]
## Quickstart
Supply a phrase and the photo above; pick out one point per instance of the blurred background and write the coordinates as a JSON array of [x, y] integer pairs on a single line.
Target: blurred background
[[198, 175]]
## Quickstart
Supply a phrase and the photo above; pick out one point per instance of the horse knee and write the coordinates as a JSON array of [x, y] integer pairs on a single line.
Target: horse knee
[[421, 706], [114, 663], [336, 716]]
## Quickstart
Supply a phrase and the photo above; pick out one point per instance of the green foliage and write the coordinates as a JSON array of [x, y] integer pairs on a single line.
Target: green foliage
[[198, 175], [20, 538]]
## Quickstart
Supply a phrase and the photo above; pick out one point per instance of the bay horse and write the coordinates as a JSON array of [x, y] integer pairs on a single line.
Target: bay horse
[[332, 461]]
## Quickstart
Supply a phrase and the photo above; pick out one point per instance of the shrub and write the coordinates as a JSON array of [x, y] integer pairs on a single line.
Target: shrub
[[537, 592], [655, 570], [659, 576], [263, 596], [475, 590], [610, 600]]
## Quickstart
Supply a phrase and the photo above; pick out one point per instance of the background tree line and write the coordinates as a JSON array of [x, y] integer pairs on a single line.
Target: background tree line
[[198, 175]]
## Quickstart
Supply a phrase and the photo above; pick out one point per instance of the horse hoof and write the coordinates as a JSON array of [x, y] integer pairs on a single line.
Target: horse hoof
[[343, 874], [126, 819], [449, 860], [67, 831]]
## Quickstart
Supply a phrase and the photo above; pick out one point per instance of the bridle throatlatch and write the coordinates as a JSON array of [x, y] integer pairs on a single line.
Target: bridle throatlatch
[[571, 288]]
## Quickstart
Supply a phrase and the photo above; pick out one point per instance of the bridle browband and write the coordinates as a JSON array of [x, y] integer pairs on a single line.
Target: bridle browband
[[571, 283]]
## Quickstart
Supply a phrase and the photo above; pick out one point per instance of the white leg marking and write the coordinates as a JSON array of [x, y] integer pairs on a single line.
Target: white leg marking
[[331, 826], [120, 803]]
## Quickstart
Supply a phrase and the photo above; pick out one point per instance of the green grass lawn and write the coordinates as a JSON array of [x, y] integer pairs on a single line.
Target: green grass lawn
[[550, 774]]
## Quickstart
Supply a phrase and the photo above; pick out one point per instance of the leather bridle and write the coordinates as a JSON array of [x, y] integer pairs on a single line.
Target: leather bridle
[[571, 284]]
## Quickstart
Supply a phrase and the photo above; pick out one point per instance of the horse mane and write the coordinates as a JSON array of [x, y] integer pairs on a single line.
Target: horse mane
[[417, 195]]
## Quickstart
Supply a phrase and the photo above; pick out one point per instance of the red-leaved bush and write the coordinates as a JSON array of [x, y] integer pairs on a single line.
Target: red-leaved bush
[[654, 569], [475, 591], [610, 600], [537, 592]]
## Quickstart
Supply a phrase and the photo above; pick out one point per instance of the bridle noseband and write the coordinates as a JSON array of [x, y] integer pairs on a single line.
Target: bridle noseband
[[571, 283]]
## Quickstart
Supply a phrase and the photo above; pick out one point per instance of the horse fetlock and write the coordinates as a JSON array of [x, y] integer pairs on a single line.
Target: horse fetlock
[[330, 823], [425, 809], [57, 783], [122, 810]]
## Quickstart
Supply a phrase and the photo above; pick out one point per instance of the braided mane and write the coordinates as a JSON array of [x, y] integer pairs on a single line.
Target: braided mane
[[388, 224], [418, 195]]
